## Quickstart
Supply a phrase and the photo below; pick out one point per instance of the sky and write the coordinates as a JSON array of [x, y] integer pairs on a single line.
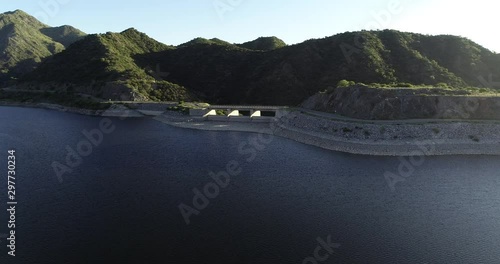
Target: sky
[[178, 21]]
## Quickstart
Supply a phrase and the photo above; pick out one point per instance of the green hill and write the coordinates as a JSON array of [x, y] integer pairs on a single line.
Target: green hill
[[130, 65], [203, 41], [211, 70], [103, 65], [290, 74], [25, 42], [65, 35], [264, 44]]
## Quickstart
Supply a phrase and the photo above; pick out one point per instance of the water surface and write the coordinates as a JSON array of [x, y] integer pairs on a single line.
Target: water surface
[[121, 204]]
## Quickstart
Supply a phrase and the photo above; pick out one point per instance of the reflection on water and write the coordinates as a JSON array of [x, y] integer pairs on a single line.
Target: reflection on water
[[121, 204]]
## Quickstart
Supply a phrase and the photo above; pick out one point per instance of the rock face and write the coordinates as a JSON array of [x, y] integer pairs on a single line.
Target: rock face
[[363, 102]]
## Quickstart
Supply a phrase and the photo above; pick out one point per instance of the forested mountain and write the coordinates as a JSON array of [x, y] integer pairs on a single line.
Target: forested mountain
[[264, 44], [25, 42], [287, 75], [104, 65], [264, 71]]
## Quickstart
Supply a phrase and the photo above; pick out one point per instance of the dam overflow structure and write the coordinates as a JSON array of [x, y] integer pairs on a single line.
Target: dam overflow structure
[[238, 113]]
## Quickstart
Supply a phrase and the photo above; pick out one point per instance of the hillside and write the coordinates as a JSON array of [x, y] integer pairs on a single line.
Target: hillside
[[65, 35], [397, 103], [264, 44], [102, 65], [25, 42], [132, 66], [203, 41], [289, 75]]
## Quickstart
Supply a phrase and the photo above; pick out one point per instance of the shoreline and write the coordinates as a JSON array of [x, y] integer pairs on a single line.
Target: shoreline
[[434, 145], [54, 107], [113, 111], [373, 138]]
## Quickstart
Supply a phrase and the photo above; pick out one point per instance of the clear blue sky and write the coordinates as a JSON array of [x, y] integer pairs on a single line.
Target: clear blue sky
[[237, 21]]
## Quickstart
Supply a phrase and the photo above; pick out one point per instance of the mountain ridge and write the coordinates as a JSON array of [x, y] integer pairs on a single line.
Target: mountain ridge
[[103, 62], [25, 42], [262, 71], [264, 44], [290, 74]]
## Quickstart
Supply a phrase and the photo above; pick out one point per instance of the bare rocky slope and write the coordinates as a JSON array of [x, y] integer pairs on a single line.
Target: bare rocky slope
[[365, 102]]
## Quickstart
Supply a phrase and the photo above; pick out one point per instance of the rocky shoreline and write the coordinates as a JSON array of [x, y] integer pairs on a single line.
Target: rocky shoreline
[[113, 111], [428, 138], [55, 107], [420, 138], [377, 138]]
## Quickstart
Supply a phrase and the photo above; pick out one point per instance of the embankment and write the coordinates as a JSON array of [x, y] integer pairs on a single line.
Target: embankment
[[392, 138], [364, 102]]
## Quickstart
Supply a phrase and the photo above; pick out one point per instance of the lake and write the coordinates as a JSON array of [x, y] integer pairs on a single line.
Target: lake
[[282, 201]]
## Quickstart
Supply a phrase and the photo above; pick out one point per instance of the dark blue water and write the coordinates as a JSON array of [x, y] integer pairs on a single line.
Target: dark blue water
[[121, 204]]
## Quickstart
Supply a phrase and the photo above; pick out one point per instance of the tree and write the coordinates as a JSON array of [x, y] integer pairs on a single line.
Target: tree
[[345, 83]]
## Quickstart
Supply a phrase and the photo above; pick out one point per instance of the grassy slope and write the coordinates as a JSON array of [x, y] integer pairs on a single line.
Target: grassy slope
[[109, 57], [290, 74], [264, 44], [226, 73], [65, 35], [24, 43]]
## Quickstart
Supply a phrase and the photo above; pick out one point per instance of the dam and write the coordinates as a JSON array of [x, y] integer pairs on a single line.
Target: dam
[[238, 113]]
